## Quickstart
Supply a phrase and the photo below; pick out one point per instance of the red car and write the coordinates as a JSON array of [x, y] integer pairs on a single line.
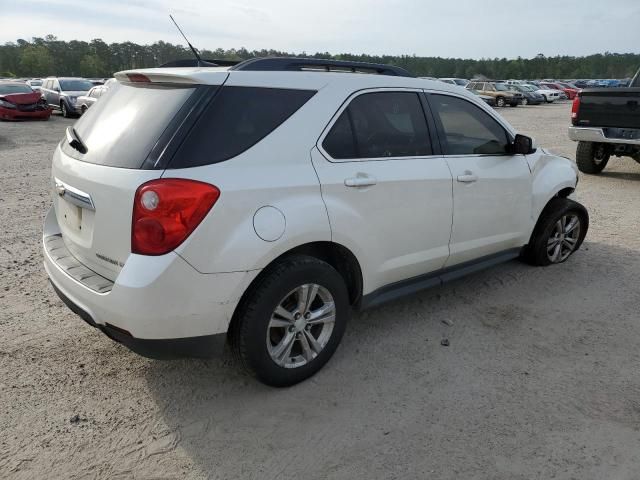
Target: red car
[[19, 101], [571, 92]]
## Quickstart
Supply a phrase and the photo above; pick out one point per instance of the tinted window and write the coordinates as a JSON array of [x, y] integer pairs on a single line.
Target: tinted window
[[121, 129], [340, 143], [467, 130], [75, 85], [235, 120], [383, 124]]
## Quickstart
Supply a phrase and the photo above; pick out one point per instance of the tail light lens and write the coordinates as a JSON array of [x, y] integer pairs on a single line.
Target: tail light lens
[[167, 211], [575, 108]]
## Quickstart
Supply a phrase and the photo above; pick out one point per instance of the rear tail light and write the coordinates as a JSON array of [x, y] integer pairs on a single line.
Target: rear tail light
[[575, 109], [167, 211], [138, 78]]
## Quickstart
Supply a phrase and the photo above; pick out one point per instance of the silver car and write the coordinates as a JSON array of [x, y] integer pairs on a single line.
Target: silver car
[[85, 101]]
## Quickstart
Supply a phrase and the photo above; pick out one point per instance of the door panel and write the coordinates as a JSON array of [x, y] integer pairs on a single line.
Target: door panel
[[491, 187], [398, 227], [492, 212]]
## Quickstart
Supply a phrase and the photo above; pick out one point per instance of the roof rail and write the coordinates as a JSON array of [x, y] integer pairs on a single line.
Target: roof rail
[[192, 62], [279, 64]]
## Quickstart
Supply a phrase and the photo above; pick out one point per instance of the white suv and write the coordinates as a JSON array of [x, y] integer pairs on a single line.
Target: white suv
[[264, 202]]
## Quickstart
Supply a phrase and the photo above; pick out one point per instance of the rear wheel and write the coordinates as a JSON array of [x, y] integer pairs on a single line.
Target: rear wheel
[[291, 322], [525, 102], [500, 102], [560, 231], [591, 157]]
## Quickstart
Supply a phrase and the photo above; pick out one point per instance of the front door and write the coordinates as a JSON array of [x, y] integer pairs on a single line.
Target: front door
[[491, 187]]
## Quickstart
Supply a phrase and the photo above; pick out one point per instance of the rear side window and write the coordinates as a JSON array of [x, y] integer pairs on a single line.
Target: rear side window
[[236, 119], [380, 125], [465, 129]]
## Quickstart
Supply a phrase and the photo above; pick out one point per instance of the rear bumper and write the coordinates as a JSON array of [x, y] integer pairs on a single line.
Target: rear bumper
[[164, 349], [155, 303], [596, 135], [15, 114]]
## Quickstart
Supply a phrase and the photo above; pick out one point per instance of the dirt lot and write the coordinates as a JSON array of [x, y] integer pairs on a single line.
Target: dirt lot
[[541, 380]]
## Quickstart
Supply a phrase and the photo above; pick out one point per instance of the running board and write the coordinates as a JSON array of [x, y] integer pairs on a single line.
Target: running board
[[438, 278]]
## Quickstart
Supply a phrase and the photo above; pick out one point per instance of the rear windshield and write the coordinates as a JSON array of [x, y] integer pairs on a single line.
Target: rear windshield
[[121, 129], [236, 119], [9, 88]]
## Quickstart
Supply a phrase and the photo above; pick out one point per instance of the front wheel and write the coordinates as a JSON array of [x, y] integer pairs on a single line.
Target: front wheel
[[500, 102], [291, 321], [64, 110], [525, 102], [560, 231], [591, 157]]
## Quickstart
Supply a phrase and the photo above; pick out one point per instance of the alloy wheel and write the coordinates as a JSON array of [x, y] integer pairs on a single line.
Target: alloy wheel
[[564, 238], [301, 325]]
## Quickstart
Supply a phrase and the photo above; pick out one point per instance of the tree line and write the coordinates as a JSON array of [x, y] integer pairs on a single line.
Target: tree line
[[50, 56]]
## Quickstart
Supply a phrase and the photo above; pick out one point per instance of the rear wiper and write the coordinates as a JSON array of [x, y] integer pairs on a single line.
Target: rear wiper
[[75, 141]]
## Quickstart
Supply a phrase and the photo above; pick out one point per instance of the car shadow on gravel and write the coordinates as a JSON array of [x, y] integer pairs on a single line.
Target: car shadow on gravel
[[621, 175], [535, 356]]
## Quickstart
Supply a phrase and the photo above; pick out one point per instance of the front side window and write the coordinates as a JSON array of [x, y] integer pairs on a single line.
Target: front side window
[[380, 125], [467, 130]]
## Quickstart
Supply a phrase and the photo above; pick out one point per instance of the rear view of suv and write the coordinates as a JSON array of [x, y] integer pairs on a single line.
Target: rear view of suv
[[261, 204]]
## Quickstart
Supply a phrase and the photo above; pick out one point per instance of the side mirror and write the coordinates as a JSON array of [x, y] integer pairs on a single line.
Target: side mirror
[[522, 145], [57, 89]]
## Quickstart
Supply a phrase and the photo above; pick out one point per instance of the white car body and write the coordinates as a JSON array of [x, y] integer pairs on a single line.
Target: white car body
[[408, 217]]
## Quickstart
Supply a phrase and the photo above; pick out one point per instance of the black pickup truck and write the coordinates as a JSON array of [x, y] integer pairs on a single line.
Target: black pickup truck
[[605, 123]]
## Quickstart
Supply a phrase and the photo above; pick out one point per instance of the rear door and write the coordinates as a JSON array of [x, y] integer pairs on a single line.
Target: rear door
[[387, 192], [491, 187], [95, 180]]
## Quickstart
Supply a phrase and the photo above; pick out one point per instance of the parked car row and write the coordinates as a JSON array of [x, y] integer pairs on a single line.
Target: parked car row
[[37, 98]]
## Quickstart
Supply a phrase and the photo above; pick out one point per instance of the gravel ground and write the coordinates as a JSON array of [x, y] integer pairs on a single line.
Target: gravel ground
[[540, 380]]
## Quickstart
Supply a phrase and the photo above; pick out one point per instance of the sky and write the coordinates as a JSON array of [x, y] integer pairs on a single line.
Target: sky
[[454, 28]]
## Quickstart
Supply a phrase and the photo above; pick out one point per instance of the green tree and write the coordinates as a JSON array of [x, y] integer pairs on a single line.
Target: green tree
[[36, 60]]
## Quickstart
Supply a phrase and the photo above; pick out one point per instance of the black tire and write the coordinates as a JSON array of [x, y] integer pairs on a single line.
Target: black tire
[[536, 251], [64, 110], [525, 102], [500, 102], [591, 157], [248, 334]]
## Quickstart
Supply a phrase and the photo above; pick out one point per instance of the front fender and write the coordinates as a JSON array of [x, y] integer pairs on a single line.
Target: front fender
[[550, 175]]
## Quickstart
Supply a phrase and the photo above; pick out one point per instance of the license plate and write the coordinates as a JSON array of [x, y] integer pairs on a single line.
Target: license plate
[[71, 215]]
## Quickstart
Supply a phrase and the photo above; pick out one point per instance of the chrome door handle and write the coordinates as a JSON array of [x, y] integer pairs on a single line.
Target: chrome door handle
[[468, 177], [360, 182]]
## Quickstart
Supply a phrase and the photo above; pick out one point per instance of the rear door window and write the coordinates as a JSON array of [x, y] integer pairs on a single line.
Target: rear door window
[[380, 125], [236, 119]]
